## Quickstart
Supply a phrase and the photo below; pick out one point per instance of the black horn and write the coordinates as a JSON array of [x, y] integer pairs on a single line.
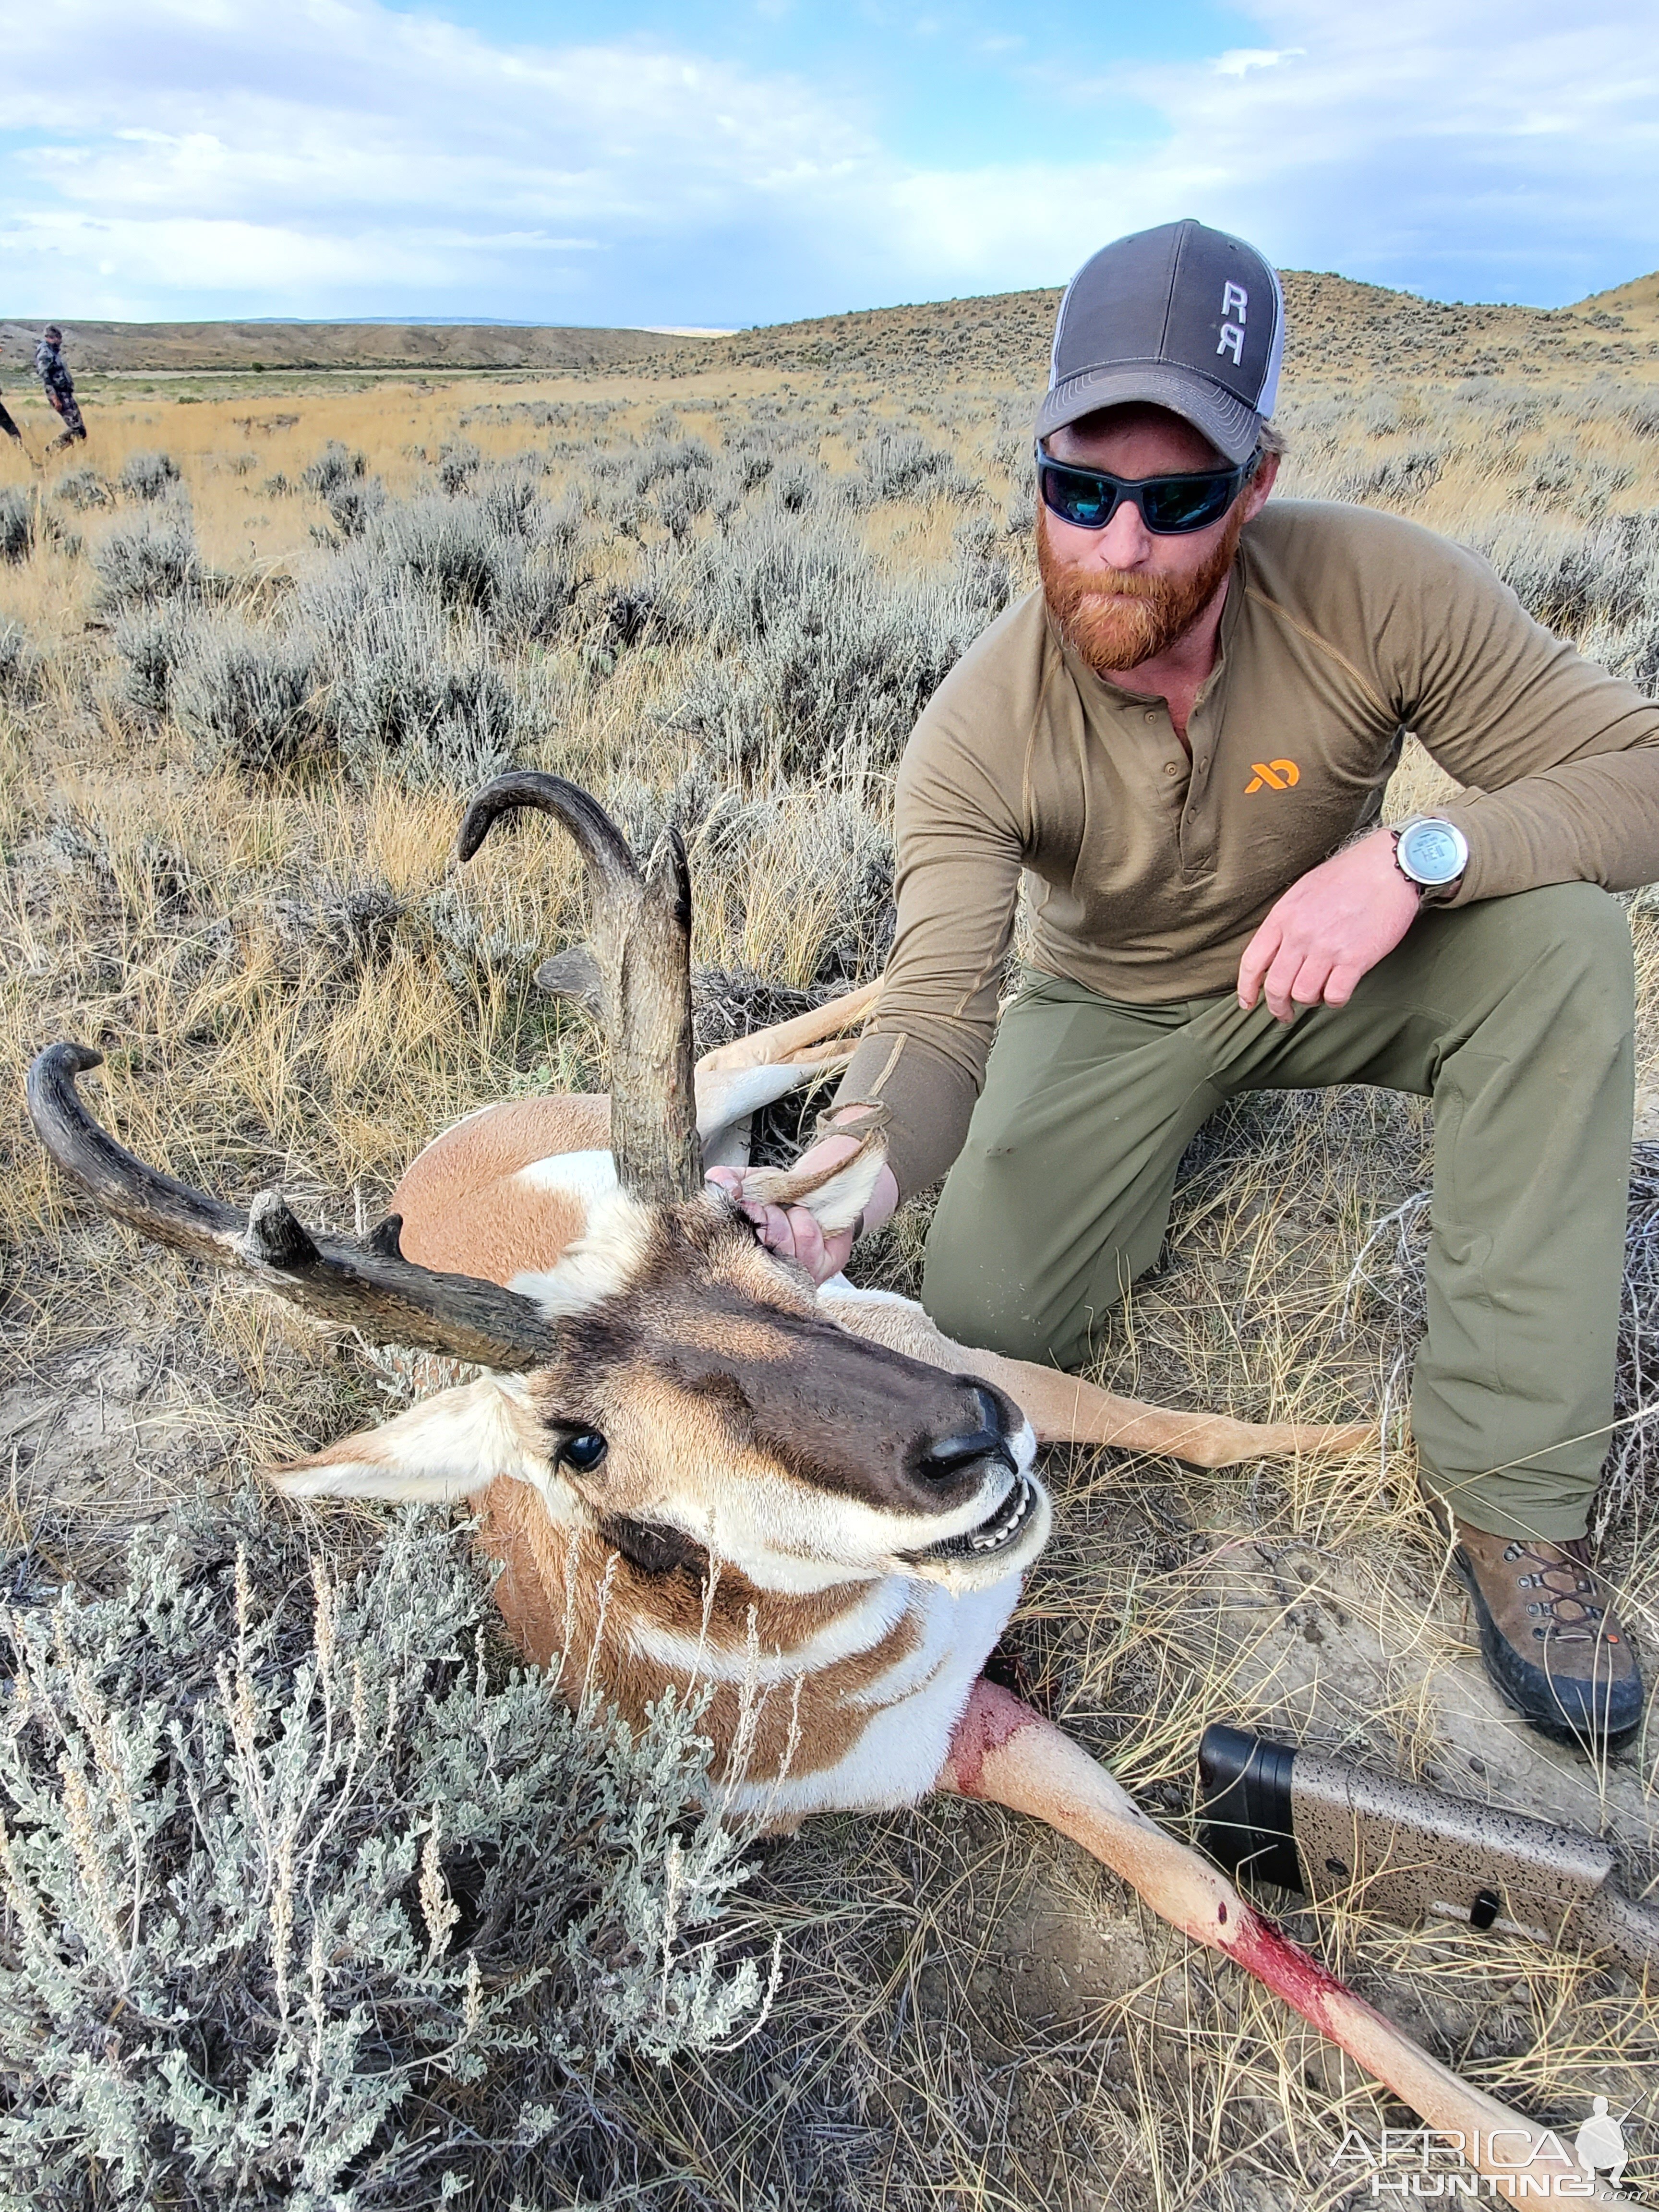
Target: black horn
[[368, 1285], [642, 937]]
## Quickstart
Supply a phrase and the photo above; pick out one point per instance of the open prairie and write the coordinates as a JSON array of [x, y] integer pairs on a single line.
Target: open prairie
[[262, 634]]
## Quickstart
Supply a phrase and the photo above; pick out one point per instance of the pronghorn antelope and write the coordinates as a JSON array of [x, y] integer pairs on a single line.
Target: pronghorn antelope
[[695, 1468]]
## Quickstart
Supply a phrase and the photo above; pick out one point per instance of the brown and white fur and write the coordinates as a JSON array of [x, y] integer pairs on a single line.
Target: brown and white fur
[[696, 1469], [863, 1637], [773, 1516]]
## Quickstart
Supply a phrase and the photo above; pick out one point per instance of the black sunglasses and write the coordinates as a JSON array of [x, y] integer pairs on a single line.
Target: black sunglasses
[[1170, 505]]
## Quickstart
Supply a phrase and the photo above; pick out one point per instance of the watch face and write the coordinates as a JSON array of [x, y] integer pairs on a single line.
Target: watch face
[[1433, 852]]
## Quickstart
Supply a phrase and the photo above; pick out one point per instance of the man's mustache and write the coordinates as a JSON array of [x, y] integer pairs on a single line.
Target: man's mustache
[[1116, 584]]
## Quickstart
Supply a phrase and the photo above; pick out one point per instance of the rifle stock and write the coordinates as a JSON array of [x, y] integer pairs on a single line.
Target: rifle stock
[[1412, 1854]]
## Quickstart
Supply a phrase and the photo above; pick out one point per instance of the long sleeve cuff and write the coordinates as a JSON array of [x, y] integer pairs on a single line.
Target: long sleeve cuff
[[929, 1097]]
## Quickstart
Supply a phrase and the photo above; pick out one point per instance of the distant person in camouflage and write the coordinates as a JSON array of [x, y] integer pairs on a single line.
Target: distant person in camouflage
[[7, 425], [53, 372]]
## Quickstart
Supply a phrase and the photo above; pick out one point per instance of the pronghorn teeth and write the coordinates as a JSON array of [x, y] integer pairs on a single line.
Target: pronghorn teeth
[[995, 1533]]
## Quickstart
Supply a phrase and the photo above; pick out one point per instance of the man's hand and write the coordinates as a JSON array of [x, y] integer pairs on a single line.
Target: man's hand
[[1329, 929], [791, 1231]]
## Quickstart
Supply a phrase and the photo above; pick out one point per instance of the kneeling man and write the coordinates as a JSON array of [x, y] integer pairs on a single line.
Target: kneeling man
[[1182, 741]]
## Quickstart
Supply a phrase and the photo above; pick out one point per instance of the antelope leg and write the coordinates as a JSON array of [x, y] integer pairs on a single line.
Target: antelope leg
[[728, 1096], [1065, 1409], [783, 1039], [1007, 1754]]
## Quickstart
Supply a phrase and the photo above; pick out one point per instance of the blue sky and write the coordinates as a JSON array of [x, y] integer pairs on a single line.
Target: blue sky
[[700, 165]]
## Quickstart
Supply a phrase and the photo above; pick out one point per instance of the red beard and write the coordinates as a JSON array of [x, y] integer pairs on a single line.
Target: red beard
[[1112, 620]]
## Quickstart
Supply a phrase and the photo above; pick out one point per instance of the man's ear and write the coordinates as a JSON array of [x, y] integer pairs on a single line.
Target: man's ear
[[834, 1196], [447, 1448], [1256, 491]]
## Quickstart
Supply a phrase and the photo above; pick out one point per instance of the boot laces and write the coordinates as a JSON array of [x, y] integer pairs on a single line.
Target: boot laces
[[1565, 1607]]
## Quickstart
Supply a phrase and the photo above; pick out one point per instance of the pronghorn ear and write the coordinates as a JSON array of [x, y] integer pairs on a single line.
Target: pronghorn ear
[[834, 1196], [446, 1448]]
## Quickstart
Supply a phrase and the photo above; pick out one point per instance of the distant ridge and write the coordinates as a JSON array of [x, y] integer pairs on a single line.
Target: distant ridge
[[1337, 329], [1335, 326], [139, 346]]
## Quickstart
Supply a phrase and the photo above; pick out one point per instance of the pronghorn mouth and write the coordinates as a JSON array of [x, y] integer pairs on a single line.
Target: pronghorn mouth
[[993, 1534]]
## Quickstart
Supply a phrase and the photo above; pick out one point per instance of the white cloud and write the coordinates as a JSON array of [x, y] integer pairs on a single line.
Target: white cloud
[[1239, 61], [336, 144], [1469, 144], [334, 155]]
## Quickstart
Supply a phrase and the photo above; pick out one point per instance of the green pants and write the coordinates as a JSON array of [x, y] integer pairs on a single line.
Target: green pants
[[1515, 1015]]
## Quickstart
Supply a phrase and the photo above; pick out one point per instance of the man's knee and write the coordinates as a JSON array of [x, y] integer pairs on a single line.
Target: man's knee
[[993, 1301], [1563, 953], [1593, 965], [1577, 927]]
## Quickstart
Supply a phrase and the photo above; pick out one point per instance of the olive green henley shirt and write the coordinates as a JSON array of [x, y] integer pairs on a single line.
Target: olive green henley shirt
[[1146, 872]]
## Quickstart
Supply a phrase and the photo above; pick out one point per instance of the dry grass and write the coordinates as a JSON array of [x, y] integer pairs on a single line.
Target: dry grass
[[974, 2015]]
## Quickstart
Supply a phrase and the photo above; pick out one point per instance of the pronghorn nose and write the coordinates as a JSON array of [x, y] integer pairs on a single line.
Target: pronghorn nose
[[948, 1456]]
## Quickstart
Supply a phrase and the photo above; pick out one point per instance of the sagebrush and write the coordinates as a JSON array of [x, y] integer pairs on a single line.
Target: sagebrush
[[307, 1897]]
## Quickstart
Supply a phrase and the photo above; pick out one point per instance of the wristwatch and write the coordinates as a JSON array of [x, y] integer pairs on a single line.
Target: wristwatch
[[1430, 853]]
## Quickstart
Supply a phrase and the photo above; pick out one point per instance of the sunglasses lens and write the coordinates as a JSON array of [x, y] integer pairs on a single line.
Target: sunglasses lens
[[1172, 504], [1077, 497]]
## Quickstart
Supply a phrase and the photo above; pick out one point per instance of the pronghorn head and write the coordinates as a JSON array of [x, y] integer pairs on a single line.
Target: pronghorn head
[[668, 1382], [697, 1405]]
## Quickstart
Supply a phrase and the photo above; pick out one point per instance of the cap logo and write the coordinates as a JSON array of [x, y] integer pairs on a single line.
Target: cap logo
[[1235, 300]]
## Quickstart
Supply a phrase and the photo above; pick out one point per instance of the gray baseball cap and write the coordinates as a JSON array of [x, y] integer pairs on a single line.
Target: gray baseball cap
[[1181, 316]]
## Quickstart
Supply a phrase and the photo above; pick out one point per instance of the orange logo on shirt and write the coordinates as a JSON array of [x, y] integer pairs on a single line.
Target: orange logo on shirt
[[1273, 776]]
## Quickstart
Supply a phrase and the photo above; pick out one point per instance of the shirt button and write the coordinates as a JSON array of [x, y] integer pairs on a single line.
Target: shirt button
[[1171, 768], [1151, 714]]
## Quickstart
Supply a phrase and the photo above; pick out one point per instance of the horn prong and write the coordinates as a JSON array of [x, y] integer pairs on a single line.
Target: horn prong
[[274, 1237], [385, 1237]]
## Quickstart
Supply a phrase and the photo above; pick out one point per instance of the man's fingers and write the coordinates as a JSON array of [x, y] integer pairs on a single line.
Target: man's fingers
[[806, 1241], [777, 1230], [830, 1255], [793, 1234], [1259, 955], [1312, 984], [1279, 988], [1340, 983], [790, 1232], [1328, 930]]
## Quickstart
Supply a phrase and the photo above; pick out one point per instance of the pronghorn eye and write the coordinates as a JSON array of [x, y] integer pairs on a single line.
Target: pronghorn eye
[[583, 1451]]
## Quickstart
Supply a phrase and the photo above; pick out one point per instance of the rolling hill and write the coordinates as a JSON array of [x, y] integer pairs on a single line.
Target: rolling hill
[[135, 347], [1337, 328]]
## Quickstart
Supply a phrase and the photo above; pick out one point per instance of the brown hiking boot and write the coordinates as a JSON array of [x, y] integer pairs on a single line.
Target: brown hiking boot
[[1549, 1637]]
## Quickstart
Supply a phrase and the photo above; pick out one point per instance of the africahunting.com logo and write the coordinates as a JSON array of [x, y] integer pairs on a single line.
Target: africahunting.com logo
[[1509, 2164]]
